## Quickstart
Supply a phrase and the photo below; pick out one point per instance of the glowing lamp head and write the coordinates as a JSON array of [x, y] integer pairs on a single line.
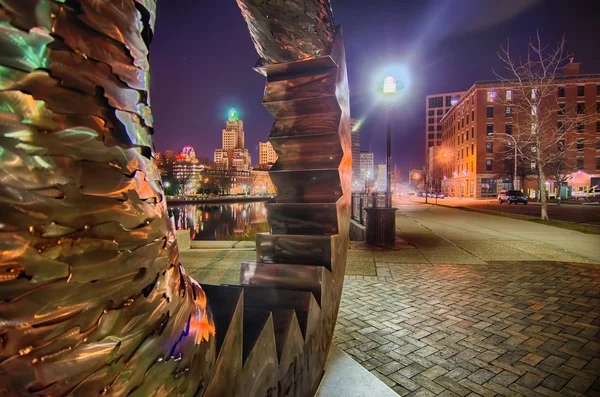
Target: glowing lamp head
[[389, 85]]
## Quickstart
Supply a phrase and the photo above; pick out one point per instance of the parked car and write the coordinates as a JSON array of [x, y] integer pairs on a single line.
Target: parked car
[[512, 196], [440, 195]]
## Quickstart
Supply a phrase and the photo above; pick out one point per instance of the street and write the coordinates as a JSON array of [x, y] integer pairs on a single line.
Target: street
[[577, 213]]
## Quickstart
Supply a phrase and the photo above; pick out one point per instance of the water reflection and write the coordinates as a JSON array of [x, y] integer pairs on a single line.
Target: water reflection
[[217, 221]]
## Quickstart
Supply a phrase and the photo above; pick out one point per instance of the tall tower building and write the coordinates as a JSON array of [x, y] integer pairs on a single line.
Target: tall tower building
[[233, 153], [366, 166], [266, 153], [436, 107]]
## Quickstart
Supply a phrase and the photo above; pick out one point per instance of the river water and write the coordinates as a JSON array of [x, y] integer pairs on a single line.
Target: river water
[[219, 221]]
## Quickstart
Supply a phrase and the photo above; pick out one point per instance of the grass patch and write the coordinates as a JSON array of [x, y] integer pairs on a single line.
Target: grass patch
[[578, 227]]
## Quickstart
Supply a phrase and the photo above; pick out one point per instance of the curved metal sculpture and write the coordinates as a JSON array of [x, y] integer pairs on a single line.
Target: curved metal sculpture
[[92, 297]]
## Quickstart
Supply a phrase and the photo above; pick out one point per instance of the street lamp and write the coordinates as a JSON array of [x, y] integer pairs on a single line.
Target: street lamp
[[516, 153], [389, 90]]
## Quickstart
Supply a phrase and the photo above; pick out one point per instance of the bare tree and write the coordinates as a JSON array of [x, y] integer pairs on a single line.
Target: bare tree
[[545, 129]]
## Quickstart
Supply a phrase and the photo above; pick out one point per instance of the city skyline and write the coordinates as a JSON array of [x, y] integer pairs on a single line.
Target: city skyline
[[445, 47]]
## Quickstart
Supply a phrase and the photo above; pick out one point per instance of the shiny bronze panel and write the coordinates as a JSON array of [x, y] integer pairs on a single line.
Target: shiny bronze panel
[[93, 299]]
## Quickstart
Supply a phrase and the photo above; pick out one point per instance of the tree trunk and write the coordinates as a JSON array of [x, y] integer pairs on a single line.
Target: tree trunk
[[543, 193]]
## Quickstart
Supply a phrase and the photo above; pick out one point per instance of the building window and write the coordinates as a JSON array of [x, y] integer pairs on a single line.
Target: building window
[[560, 145], [431, 120], [598, 90], [463, 123], [561, 109], [431, 128], [467, 151], [580, 127], [508, 111], [580, 145], [580, 90], [598, 126], [597, 163], [472, 151], [488, 186], [440, 112], [431, 113], [561, 92], [580, 108], [489, 165], [430, 136], [436, 102], [580, 163], [473, 115], [467, 119], [489, 112], [489, 129], [430, 144], [448, 101], [598, 145], [439, 135], [490, 96], [533, 110], [508, 129], [489, 147], [533, 93], [438, 128], [472, 132], [597, 107], [560, 126], [509, 95]]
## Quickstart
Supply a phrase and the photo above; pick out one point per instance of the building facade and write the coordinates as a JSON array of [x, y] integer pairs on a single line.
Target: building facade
[[436, 107], [475, 144], [367, 164], [233, 153], [356, 154], [381, 181], [266, 153]]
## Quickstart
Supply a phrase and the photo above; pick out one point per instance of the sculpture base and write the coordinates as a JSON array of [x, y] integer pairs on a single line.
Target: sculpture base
[[345, 377]]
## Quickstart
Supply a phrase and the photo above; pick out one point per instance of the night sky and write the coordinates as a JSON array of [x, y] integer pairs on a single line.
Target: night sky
[[202, 59]]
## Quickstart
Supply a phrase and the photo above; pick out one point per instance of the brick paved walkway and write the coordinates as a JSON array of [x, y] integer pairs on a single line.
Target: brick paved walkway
[[498, 329]]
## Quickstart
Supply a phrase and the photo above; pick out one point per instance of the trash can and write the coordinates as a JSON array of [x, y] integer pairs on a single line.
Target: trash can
[[381, 226]]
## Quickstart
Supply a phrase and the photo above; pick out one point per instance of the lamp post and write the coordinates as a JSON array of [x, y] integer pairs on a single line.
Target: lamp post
[[516, 153], [389, 90]]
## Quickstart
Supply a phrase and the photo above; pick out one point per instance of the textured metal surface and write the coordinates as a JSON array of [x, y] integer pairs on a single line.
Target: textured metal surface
[[92, 296], [286, 31]]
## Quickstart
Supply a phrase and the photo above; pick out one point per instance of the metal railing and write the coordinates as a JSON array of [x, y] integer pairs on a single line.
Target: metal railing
[[360, 201]]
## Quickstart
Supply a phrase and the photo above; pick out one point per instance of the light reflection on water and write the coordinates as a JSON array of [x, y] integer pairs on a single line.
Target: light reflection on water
[[217, 221]]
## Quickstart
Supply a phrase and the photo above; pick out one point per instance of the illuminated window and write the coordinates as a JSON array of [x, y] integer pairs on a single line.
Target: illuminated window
[[508, 111], [490, 96], [509, 95], [533, 93], [489, 165], [561, 109], [489, 147], [489, 129]]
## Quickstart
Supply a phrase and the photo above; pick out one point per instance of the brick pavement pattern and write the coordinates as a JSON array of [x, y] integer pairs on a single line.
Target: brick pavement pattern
[[506, 329]]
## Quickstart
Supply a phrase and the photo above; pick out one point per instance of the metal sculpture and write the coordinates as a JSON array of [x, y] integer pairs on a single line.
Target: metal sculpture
[[93, 299]]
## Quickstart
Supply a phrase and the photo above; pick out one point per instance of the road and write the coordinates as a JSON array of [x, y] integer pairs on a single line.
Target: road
[[577, 213]]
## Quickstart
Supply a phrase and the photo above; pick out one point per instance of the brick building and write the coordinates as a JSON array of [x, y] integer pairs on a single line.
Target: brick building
[[475, 129]]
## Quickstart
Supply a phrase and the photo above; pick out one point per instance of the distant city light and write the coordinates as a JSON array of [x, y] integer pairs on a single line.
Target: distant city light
[[389, 85]]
